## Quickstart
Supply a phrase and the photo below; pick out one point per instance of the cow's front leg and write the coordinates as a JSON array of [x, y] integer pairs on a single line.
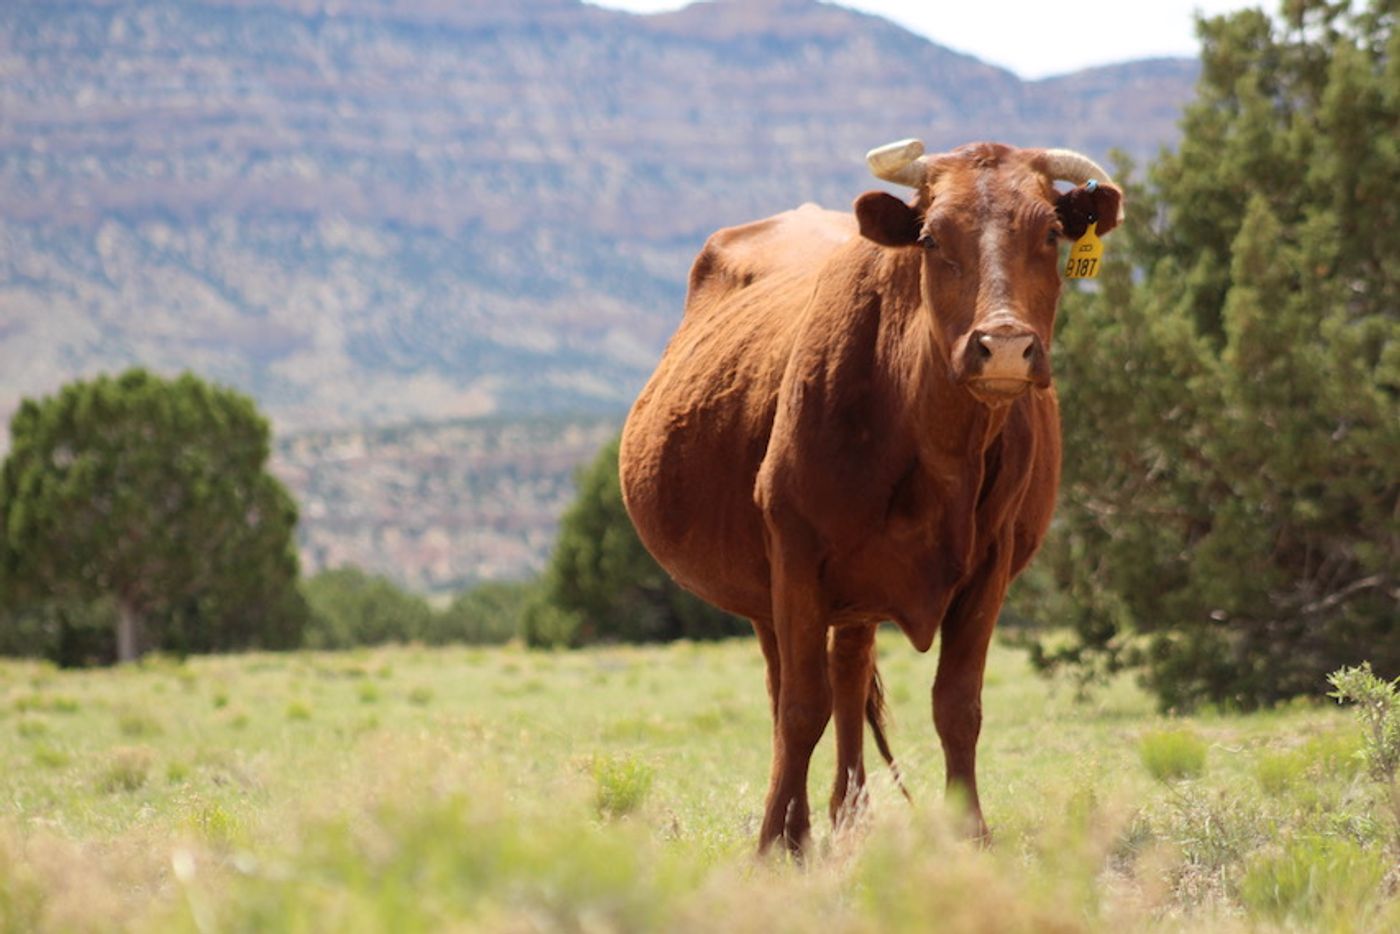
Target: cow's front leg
[[957, 688]]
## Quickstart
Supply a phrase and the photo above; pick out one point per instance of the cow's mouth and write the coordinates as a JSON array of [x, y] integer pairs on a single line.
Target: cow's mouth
[[999, 389]]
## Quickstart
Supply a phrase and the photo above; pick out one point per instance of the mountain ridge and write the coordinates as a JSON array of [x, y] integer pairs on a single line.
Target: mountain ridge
[[362, 211]]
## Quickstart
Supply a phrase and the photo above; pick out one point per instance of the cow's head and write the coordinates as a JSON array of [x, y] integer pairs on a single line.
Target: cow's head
[[988, 220]]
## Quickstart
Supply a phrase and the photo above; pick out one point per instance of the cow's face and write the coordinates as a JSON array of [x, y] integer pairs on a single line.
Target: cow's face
[[988, 226]]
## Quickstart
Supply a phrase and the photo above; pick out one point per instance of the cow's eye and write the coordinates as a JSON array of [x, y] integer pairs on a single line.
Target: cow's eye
[[1053, 236], [927, 242]]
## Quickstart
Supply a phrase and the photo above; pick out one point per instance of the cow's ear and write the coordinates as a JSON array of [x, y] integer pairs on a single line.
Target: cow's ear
[[1079, 207], [886, 220]]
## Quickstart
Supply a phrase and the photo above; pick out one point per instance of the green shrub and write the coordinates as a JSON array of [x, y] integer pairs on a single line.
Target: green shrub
[[488, 614], [214, 824], [1378, 705], [351, 608], [49, 703], [404, 867], [602, 577], [1277, 772], [1313, 878], [1326, 756], [546, 626], [622, 785], [1173, 754], [127, 769], [136, 725], [49, 757]]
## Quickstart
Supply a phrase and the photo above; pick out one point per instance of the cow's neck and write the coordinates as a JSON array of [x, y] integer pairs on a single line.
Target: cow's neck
[[954, 424]]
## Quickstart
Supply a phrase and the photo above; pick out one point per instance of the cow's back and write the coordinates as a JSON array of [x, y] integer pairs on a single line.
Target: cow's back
[[694, 440]]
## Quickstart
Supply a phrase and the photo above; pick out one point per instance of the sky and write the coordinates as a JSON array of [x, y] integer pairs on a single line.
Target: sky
[[1029, 37]]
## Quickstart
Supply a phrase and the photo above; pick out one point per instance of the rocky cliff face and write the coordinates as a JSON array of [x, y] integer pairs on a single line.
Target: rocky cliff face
[[371, 210]]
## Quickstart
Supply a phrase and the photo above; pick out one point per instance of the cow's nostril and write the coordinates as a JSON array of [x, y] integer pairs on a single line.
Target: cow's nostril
[[983, 350], [1030, 349]]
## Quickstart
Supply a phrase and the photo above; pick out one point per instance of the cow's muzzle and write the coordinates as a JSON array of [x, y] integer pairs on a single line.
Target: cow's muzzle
[[1002, 362]]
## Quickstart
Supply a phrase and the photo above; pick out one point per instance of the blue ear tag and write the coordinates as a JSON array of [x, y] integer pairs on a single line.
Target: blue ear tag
[[1092, 185]]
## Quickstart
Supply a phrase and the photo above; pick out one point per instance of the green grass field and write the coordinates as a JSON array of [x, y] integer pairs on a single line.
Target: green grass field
[[409, 789]]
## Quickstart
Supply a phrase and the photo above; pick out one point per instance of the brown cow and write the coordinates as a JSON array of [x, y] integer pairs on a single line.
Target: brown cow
[[855, 423]]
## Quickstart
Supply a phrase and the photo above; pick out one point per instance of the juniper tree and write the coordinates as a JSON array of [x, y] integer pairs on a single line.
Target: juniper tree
[[602, 576], [1230, 516], [152, 495]]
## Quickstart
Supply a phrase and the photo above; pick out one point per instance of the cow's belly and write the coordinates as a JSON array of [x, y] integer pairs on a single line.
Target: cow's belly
[[687, 479], [690, 451]]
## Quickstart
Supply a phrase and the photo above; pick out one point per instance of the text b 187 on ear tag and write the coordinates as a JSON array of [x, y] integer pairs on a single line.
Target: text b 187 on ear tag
[[1085, 255]]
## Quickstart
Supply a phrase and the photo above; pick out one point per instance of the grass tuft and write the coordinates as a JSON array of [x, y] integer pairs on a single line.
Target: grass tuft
[[126, 770], [215, 824], [47, 703], [51, 757], [137, 725], [1314, 879], [1169, 755], [621, 785], [31, 727]]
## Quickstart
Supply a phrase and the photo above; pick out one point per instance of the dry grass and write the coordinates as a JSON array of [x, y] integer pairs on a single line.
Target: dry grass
[[477, 789]]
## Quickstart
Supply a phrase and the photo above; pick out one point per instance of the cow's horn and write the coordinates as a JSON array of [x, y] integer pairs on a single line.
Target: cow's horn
[[1078, 168], [902, 162]]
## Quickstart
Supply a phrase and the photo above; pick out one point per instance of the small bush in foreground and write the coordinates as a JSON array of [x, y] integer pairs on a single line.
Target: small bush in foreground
[[1173, 754], [622, 786], [1378, 705], [405, 867], [1313, 878]]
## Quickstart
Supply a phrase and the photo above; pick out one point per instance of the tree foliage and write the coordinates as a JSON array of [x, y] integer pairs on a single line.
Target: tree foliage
[[603, 584], [488, 614], [1230, 517], [351, 608], [146, 501]]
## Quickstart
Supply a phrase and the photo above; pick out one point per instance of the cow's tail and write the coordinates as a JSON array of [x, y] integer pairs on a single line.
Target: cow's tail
[[875, 715]]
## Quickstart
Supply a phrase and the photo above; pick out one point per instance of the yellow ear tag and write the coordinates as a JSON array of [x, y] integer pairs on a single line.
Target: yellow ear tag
[[1084, 255]]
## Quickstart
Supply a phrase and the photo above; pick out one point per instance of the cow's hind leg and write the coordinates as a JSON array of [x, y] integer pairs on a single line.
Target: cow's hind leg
[[768, 641], [803, 701], [851, 662]]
